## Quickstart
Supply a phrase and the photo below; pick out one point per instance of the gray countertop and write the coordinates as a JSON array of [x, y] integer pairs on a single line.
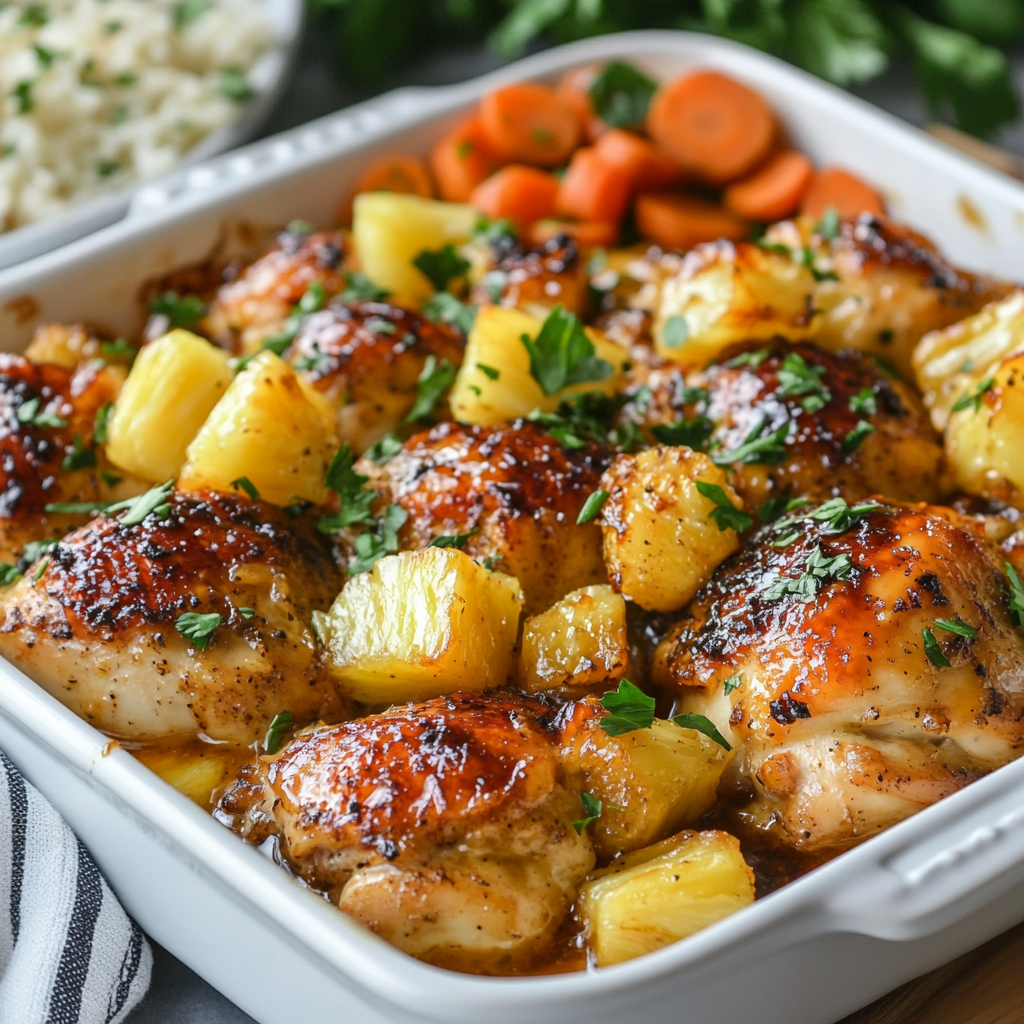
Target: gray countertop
[[178, 995]]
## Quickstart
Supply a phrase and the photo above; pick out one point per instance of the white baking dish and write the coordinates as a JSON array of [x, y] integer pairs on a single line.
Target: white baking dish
[[914, 897]]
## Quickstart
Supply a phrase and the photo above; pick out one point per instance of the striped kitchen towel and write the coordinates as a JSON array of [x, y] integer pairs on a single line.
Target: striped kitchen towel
[[69, 954]]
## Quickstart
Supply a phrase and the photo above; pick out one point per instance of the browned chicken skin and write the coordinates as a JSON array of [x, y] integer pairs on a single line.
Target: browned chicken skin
[[95, 623], [846, 713], [443, 826]]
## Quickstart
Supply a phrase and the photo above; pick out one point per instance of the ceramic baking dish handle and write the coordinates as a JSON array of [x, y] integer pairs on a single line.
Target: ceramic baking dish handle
[[940, 866]]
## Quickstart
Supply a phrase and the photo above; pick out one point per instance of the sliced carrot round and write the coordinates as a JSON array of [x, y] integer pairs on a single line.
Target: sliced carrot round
[[647, 166], [574, 88], [407, 174], [679, 221], [718, 129], [517, 193], [586, 233], [590, 189], [461, 160], [844, 192], [774, 191], [529, 123]]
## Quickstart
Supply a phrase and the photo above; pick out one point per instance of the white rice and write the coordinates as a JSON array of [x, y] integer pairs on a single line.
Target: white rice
[[106, 93]]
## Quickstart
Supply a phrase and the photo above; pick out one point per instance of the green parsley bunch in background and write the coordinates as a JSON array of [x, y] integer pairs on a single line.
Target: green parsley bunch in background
[[956, 45]]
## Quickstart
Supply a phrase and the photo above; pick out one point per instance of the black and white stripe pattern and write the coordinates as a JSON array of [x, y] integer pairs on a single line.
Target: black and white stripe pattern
[[69, 954]]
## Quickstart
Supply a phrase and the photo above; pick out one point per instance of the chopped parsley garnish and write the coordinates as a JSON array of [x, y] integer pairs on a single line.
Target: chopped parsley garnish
[[494, 282], [818, 571], [23, 98], [187, 11], [33, 16], [79, 457], [592, 507], [829, 225], [279, 725], [43, 566], [592, 808], [785, 539], [839, 516], [441, 266], [456, 540], [102, 422], [808, 258], [689, 433], [581, 418], [726, 516], [299, 228], [443, 307], [855, 437], [312, 300], [934, 651], [246, 613], [675, 332], [370, 547], [798, 379], [197, 627], [704, 725], [957, 627], [43, 55], [621, 94], [36, 549], [732, 683], [773, 508], [9, 574], [110, 479], [75, 508], [758, 447], [490, 372], [318, 362], [154, 500], [243, 483], [384, 450], [864, 404], [105, 168], [492, 231], [434, 381], [971, 399], [562, 355], [752, 359], [630, 708], [180, 310], [119, 349], [30, 413], [359, 288], [356, 499], [1016, 596], [234, 85]]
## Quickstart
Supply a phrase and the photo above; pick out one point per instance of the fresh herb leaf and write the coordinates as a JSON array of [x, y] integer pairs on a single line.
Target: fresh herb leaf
[[759, 447], [41, 568], [246, 613], [356, 499], [855, 437], [34, 550], [234, 85], [732, 683], [704, 725], [685, 433], [9, 574], [101, 423], [830, 224], [490, 372], [280, 724], [773, 508], [359, 288], [180, 310], [592, 507], [120, 350], [384, 450], [443, 307], [441, 266], [187, 11], [494, 282], [972, 399], [299, 228], [43, 55], [197, 627], [243, 483], [434, 381], [620, 94], [581, 418], [840, 516], [843, 42], [726, 516], [75, 508], [785, 539], [630, 708], [957, 627], [592, 808], [154, 500], [864, 404], [370, 547], [79, 457], [818, 571], [562, 355], [675, 332], [933, 651], [796, 378], [457, 540], [29, 412], [494, 231], [1016, 596], [22, 95], [33, 16], [110, 479], [752, 359]]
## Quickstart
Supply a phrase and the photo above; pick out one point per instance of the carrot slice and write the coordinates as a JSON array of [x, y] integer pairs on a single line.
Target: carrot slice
[[461, 160], [678, 221], [715, 127], [585, 232], [845, 192], [574, 88], [517, 193], [529, 123], [399, 173], [590, 189], [647, 166], [773, 192]]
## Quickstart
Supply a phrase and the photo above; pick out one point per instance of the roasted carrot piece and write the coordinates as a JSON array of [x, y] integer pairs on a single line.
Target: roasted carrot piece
[[590, 189], [647, 166], [846, 193], [586, 232], [529, 123], [574, 88], [517, 193], [461, 160], [718, 129], [396, 173], [679, 221], [773, 191]]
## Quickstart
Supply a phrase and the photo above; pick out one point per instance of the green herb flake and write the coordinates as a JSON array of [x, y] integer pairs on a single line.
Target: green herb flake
[[621, 94], [972, 398], [187, 11], [384, 450], [75, 508], [180, 310], [22, 95], [356, 500], [33, 16], [592, 507], [232, 84], [101, 423], [359, 288], [434, 381], [43, 55], [110, 479], [119, 350], [797, 378], [562, 355], [703, 725], [830, 224], [442, 307], [372, 546], [30, 413], [675, 332], [38, 574], [761, 446], [246, 613], [839, 516], [855, 438], [818, 571], [957, 627], [441, 266], [732, 683], [79, 457], [457, 540], [9, 574], [243, 483], [752, 359], [629, 709], [197, 627], [1016, 595], [864, 404], [280, 724], [726, 516], [490, 372], [592, 808], [154, 500], [933, 651], [773, 508]]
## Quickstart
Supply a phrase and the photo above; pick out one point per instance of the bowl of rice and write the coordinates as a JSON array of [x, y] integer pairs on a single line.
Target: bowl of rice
[[99, 96]]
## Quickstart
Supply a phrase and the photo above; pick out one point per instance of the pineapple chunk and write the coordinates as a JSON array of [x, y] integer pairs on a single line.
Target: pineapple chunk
[[173, 386], [68, 345], [495, 342], [271, 427], [985, 440], [949, 362], [198, 773], [659, 895], [727, 293], [390, 230], [419, 624], [660, 543], [651, 781], [579, 642]]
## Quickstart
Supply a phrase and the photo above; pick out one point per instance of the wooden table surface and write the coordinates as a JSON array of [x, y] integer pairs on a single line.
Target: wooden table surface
[[983, 987]]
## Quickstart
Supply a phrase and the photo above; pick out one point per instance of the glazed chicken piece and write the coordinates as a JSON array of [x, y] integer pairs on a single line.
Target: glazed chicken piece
[[513, 489], [367, 358], [802, 421], [442, 826], [864, 662], [256, 304], [97, 622], [534, 279], [48, 417]]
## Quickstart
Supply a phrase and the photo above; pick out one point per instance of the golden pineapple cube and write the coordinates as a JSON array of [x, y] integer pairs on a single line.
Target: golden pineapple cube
[[732, 292], [666, 892], [68, 345], [390, 230], [660, 541], [196, 773], [495, 384], [173, 386], [949, 362], [419, 624], [651, 782], [271, 427], [580, 642]]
